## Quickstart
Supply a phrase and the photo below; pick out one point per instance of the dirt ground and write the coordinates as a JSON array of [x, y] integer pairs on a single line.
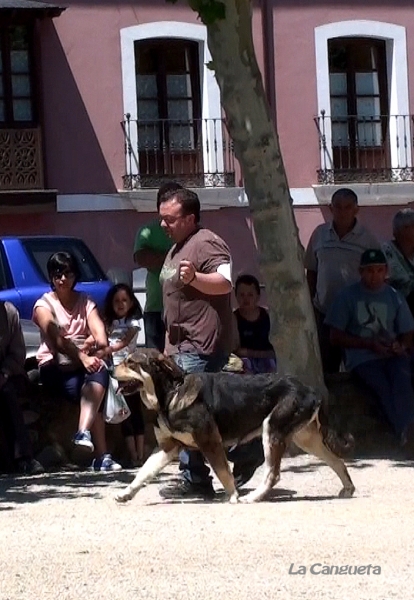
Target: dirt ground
[[64, 537]]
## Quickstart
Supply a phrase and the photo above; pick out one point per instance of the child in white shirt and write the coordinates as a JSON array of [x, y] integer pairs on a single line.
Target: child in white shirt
[[122, 313]]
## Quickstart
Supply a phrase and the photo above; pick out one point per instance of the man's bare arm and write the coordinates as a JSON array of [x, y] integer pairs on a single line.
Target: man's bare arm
[[212, 284]]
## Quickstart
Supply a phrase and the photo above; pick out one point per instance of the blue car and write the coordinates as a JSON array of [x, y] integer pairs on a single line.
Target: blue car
[[23, 273]]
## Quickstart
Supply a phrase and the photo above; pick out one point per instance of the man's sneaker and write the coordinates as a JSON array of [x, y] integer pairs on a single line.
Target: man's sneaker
[[105, 463], [243, 473], [84, 439], [29, 466], [182, 489]]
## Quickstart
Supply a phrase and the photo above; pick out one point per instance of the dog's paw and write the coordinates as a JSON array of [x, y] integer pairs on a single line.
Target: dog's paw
[[246, 500], [123, 497], [234, 498], [346, 492]]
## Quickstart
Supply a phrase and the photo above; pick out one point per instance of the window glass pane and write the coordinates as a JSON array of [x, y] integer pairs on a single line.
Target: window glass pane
[[21, 85], [145, 58], [177, 57], [146, 86], [2, 115], [19, 38], [339, 107], [338, 57], [366, 57], [181, 137], [369, 134], [1, 86], [19, 60], [147, 110], [366, 83], [22, 110], [368, 107], [148, 137], [339, 134], [338, 84], [180, 109], [178, 86]]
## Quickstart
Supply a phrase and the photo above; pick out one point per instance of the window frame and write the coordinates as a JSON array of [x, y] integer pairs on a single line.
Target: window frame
[[397, 68], [209, 89], [5, 48]]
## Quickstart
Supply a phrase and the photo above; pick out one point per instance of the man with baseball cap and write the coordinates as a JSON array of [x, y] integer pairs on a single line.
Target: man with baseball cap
[[372, 323]]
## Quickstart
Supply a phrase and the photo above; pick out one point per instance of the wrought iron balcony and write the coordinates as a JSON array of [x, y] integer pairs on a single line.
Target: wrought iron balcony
[[196, 153], [362, 149], [21, 166]]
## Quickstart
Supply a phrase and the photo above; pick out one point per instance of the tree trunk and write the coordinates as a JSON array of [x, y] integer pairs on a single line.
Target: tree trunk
[[256, 147]]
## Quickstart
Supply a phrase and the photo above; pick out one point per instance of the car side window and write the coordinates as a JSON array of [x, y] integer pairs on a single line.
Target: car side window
[[5, 276], [41, 250]]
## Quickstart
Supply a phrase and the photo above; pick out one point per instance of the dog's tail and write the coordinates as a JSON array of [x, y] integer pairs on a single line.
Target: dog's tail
[[340, 443]]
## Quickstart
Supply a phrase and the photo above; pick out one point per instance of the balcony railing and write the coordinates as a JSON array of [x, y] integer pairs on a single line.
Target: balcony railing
[[357, 149], [21, 166], [196, 153]]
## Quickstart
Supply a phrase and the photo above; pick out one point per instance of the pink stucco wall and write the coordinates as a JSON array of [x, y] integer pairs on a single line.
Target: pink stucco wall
[[82, 89], [110, 235], [294, 25]]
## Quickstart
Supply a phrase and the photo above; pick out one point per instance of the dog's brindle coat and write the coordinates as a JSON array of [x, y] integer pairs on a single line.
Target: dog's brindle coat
[[211, 411]]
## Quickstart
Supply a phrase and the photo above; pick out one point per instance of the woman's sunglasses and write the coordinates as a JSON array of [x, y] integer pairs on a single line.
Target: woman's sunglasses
[[59, 274]]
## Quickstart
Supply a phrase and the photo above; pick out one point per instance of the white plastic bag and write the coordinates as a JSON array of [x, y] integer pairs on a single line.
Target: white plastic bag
[[115, 408]]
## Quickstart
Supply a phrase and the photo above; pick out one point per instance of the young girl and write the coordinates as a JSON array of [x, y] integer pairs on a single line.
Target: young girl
[[122, 313], [253, 326]]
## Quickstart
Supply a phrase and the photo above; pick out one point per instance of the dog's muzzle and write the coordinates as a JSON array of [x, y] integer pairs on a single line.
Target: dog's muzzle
[[129, 380]]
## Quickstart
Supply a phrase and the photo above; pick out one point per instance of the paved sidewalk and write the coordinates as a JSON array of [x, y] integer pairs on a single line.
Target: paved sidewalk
[[64, 538]]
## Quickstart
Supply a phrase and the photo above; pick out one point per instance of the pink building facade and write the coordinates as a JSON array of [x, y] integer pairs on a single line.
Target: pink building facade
[[102, 101]]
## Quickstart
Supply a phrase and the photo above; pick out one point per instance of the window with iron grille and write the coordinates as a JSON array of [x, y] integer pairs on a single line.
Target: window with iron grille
[[17, 106]]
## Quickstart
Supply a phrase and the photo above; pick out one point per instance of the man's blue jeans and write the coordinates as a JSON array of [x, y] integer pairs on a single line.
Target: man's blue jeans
[[192, 462], [390, 379]]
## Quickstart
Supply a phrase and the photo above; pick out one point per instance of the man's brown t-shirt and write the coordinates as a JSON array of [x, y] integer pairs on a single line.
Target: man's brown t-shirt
[[196, 322]]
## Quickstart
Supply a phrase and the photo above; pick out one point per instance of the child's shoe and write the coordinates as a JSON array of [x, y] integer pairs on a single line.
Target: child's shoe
[[105, 463], [84, 439]]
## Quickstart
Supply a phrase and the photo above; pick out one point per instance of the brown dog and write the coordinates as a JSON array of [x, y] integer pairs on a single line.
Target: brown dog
[[212, 411]]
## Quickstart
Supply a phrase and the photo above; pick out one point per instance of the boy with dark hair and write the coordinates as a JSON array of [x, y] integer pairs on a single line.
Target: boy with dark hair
[[253, 325], [371, 321]]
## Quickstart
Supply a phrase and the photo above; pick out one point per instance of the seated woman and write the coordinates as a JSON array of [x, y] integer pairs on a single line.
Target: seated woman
[[253, 326], [66, 318]]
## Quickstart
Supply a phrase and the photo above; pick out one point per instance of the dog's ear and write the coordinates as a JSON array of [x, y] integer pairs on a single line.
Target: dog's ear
[[187, 392], [169, 365]]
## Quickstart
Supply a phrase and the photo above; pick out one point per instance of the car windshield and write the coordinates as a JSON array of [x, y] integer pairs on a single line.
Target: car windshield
[[40, 250]]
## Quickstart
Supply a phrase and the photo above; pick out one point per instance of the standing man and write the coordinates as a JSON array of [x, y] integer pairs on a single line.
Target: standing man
[[332, 261], [12, 381], [150, 249], [196, 286]]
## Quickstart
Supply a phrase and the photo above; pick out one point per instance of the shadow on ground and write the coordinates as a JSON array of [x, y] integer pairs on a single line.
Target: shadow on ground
[[63, 485], [15, 491]]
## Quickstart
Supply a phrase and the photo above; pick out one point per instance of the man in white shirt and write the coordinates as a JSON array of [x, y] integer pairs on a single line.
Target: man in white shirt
[[332, 262]]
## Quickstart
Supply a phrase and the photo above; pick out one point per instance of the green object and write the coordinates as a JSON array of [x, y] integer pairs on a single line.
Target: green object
[[153, 237]]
